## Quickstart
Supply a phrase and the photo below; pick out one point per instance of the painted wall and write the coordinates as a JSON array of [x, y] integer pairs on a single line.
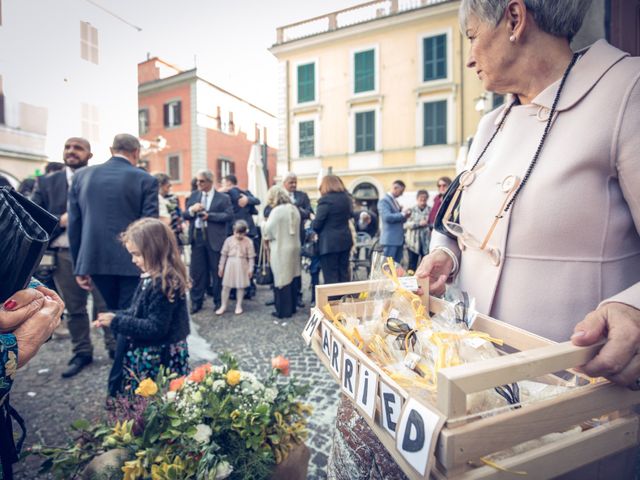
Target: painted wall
[[40, 64]]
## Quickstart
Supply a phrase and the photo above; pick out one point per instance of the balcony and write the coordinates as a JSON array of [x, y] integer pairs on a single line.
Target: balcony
[[348, 17]]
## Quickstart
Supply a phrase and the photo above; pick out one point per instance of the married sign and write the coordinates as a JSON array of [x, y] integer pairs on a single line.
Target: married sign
[[408, 428]]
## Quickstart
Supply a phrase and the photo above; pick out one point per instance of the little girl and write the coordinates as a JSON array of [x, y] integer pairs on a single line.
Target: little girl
[[156, 325], [236, 265]]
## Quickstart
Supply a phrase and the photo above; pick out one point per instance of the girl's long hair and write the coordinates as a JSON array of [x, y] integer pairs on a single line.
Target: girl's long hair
[[159, 249]]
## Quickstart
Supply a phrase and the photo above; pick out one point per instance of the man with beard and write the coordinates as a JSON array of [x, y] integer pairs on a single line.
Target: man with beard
[[103, 201], [51, 193]]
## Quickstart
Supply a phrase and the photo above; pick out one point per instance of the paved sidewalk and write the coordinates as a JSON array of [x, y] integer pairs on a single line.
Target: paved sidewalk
[[49, 403]]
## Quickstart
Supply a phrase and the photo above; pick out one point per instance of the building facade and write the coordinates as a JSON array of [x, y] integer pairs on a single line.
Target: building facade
[[65, 75], [192, 124], [376, 93]]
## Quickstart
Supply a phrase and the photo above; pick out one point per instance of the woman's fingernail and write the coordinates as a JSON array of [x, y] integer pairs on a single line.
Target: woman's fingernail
[[578, 334], [10, 304], [47, 297]]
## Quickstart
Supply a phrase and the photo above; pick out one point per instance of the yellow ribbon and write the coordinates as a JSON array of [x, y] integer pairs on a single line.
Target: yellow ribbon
[[493, 464], [419, 310], [336, 319]]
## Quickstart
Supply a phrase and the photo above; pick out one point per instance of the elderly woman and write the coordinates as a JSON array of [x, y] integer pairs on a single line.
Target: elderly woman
[[27, 320], [282, 230], [547, 234]]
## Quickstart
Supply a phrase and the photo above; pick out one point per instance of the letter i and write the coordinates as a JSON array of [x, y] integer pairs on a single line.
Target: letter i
[[366, 387]]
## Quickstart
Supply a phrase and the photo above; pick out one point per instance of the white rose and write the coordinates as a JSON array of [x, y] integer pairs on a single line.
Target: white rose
[[218, 385], [197, 397], [203, 433], [223, 470], [171, 396]]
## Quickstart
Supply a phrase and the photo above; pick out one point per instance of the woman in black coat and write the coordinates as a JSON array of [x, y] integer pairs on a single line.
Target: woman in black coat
[[334, 211]]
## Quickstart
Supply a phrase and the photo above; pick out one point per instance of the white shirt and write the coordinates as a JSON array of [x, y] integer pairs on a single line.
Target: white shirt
[[205, 199], [63, 239]]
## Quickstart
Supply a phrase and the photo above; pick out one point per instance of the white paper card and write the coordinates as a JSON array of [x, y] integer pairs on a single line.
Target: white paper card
[[312, 325], [326, 340], [409, 283], [367, 390], [349, 375], [417, 433], [391, 407], [336, 356]]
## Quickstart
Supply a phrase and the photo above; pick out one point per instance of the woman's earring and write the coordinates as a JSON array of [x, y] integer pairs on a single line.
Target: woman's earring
[[512, 38]]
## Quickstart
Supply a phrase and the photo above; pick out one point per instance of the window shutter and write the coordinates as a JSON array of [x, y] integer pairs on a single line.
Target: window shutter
[[177, 113], [364, 71], [165, 114]]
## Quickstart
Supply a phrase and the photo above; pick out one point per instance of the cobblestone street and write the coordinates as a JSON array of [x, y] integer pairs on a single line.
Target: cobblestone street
[[50, 403]]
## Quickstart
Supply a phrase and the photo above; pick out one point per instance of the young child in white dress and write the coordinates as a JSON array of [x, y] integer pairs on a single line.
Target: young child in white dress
[[236, 265]]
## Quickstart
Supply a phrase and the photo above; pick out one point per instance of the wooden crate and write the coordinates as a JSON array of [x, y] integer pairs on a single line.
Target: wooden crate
[[463, 440]]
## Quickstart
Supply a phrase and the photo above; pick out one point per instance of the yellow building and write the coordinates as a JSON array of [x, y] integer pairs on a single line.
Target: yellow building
[[375, 93]]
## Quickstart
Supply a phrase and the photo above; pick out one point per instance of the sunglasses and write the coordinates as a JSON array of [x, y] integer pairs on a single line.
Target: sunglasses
[[202, 181], [405, 335], [509, 185]]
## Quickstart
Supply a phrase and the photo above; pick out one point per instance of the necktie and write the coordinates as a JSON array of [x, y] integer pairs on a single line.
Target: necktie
[[199, 223]]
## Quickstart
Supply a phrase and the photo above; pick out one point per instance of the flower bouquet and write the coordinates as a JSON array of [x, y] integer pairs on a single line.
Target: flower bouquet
[[217, 422]]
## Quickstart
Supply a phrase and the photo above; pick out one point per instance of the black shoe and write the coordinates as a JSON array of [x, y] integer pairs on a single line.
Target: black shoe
[[300, 303], [270, 302], [196, 307], [275, 314], [112, 354], [76, 364]]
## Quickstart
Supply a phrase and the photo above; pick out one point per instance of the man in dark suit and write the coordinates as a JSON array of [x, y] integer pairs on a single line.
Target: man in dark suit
[[51, 193], [103, 201], [210, 214], [301, 200]]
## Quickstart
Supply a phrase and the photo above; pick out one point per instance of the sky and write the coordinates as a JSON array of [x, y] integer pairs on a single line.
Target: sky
[[228, 40]]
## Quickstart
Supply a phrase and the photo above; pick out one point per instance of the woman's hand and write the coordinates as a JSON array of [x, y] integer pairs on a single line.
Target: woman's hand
[[250, 272], [37, 329], [437, 266], [22, 305], [619, 358], [221, 272], [104, 319]]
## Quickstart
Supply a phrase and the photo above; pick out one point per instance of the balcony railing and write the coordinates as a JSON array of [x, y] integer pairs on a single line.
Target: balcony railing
[[349, 16]]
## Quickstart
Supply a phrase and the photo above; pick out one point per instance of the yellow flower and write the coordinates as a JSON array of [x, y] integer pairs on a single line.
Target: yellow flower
[[147, 388], [233, 377], [133, 470], [11, 365]]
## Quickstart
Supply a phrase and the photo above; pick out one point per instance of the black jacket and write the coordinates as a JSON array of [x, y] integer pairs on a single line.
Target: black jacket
[[220, 216], [103, 201], [245, 213], [152, 319], [333, 213], [51, 194]]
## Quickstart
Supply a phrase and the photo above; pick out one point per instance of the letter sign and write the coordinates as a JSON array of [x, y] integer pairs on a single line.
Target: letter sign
[[336, 359], [311, 326], [367, 390], [418, 430], [391, 407], [349, 375], [326, 341]]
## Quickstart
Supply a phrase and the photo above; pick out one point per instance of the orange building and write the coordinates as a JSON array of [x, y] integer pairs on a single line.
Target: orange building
[[191, 124]]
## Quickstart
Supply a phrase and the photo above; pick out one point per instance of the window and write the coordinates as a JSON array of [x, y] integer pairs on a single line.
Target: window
[[365, 131], [434, 54], [173, 167], [143, 121], [90, 117], [225, 167], [88, 42], [306, 138], [306, 82], [364, 71], [172, 114], [435, 123]]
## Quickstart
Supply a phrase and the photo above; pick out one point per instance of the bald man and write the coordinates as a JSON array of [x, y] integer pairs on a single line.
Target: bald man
[[51, 193]]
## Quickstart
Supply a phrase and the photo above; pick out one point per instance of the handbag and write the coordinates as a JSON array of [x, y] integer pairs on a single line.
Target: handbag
[[26, 229], [445, 205], [264, 275], [310, 246]]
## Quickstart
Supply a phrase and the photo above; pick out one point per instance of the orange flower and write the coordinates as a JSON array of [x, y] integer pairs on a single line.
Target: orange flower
[[280, 363], [199, 373], [176, 384]]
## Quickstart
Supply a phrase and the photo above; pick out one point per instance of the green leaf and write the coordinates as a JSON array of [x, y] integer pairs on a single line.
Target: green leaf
[[81, 424]]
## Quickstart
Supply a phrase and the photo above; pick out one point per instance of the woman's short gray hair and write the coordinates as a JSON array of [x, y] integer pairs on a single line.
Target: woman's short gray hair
[[277, 196], [560, 18]]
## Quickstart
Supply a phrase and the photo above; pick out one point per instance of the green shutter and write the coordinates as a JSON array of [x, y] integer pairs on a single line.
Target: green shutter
[[365, 131], [364, 71], [306, 139], [306, 82], [434, 52], [435, 123]]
